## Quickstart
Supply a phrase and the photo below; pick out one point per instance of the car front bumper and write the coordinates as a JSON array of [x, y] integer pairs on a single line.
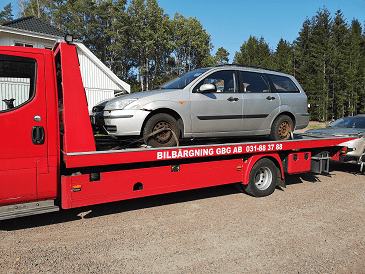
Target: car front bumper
[[357, 147], [120, 122]]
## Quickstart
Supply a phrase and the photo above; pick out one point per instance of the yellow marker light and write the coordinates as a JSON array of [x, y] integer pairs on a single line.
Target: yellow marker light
[[76, 188]]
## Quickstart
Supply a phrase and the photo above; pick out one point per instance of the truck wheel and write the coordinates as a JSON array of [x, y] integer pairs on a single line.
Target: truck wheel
[[164, 138], [281, 128], [263, 178]]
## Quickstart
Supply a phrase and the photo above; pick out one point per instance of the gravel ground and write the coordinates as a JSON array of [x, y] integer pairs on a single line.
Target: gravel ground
[[315, 225]]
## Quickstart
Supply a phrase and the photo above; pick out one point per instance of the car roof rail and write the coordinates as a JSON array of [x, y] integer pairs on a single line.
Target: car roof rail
[[246, 66]]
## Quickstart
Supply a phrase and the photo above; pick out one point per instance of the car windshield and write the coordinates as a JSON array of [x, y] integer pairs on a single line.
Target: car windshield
[[349, 122], [184, 80]]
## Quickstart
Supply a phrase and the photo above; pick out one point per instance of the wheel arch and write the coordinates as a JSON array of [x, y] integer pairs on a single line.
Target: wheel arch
[[171, 112], [288, 113], [274, 157]]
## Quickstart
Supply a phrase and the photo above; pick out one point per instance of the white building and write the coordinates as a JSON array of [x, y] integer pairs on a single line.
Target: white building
[[99, 81]]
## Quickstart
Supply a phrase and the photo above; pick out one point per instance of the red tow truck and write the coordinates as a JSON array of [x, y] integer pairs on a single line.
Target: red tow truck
[[49, 159]]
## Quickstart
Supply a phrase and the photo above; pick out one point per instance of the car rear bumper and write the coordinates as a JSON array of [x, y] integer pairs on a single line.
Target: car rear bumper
[[302, 120]]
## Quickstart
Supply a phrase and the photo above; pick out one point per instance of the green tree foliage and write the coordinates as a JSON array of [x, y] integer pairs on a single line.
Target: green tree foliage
[[284, 57], [190, 44], [149, 35], [329, 65], [140, 38], [221, 56], [254, 52], [319, 58], [355, 70], [6, 15], [37, 8], [327, 59], [339, 68]]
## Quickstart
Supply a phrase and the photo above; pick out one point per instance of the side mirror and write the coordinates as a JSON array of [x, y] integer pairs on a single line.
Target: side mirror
[[207, 88]]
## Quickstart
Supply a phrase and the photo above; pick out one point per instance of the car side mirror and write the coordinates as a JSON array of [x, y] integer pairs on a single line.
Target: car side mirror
[[207, 88]]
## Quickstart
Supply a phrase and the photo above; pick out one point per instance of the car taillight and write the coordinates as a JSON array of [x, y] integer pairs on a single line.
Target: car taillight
[[346, 150]]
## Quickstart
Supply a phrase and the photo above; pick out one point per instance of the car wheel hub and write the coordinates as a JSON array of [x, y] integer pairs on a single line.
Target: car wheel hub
[[163, 136], [284, 130]]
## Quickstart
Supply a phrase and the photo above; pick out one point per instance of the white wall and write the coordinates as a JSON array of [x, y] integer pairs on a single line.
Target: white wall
[[9, 39], [98, 85], [16, 88]]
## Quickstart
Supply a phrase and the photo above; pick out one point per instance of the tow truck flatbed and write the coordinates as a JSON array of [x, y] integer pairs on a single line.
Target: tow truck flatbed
[[214, 149]]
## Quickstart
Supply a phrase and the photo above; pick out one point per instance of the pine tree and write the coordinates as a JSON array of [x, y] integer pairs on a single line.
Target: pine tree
[[339, 48], [354, 72], [254, 52], [301, 59], [221, 56], [284, 57], [313, 53], [6, 15]]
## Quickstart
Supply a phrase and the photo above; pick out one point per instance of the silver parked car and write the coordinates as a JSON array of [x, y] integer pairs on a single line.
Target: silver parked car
[[210, 102], [353, 126]]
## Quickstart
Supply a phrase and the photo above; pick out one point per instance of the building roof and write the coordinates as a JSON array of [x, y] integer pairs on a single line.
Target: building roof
[[34, 24]]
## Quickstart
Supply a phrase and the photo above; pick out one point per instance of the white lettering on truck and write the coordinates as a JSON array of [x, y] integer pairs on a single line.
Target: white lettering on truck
[[202, 152]]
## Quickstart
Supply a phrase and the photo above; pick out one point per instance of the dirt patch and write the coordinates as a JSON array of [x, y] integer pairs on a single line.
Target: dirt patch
[[312, 125]]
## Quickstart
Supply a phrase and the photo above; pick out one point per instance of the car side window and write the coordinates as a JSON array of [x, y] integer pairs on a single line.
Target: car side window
[[283, 84], [225, 81], [17, 81], [253, 82]]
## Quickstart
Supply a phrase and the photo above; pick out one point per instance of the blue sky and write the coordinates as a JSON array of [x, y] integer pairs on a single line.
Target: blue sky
[[231, 22]]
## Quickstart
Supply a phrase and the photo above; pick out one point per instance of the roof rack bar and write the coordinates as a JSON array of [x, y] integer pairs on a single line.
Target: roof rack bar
[[246, 66]]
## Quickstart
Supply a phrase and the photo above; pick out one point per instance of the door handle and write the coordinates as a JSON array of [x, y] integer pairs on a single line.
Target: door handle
[[270, 98], [38, 135], [231, 99]]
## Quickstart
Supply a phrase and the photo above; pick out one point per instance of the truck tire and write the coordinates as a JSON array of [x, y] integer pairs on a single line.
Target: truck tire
[[165, 138], [281, 128], [262, 179]]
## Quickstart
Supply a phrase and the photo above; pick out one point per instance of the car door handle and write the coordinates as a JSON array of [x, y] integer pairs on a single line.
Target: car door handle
[[270, 98], [38, 135], [232, 99]]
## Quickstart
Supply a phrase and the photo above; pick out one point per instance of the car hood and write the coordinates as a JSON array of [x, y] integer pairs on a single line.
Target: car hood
[[336, 131], [136, 95]]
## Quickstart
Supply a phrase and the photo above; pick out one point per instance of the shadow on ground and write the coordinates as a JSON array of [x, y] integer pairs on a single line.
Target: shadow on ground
[[115, 207]]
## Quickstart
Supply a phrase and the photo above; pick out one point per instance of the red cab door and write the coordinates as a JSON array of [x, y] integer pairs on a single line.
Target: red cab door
[[23, 145]]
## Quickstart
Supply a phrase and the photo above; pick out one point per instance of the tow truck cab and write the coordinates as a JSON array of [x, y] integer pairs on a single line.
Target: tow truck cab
[[29, 151], [32, 81]]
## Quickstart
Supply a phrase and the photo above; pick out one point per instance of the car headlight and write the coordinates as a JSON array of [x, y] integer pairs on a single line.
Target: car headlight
[[121, 104]]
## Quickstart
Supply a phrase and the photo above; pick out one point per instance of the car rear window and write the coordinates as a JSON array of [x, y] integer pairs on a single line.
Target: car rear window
[[283, 84]]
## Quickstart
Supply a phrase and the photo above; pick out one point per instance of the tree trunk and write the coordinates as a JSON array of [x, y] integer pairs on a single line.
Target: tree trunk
[[147, 73]]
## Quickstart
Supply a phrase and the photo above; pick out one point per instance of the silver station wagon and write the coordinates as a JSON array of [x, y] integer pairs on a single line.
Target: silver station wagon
[[211, 102]]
